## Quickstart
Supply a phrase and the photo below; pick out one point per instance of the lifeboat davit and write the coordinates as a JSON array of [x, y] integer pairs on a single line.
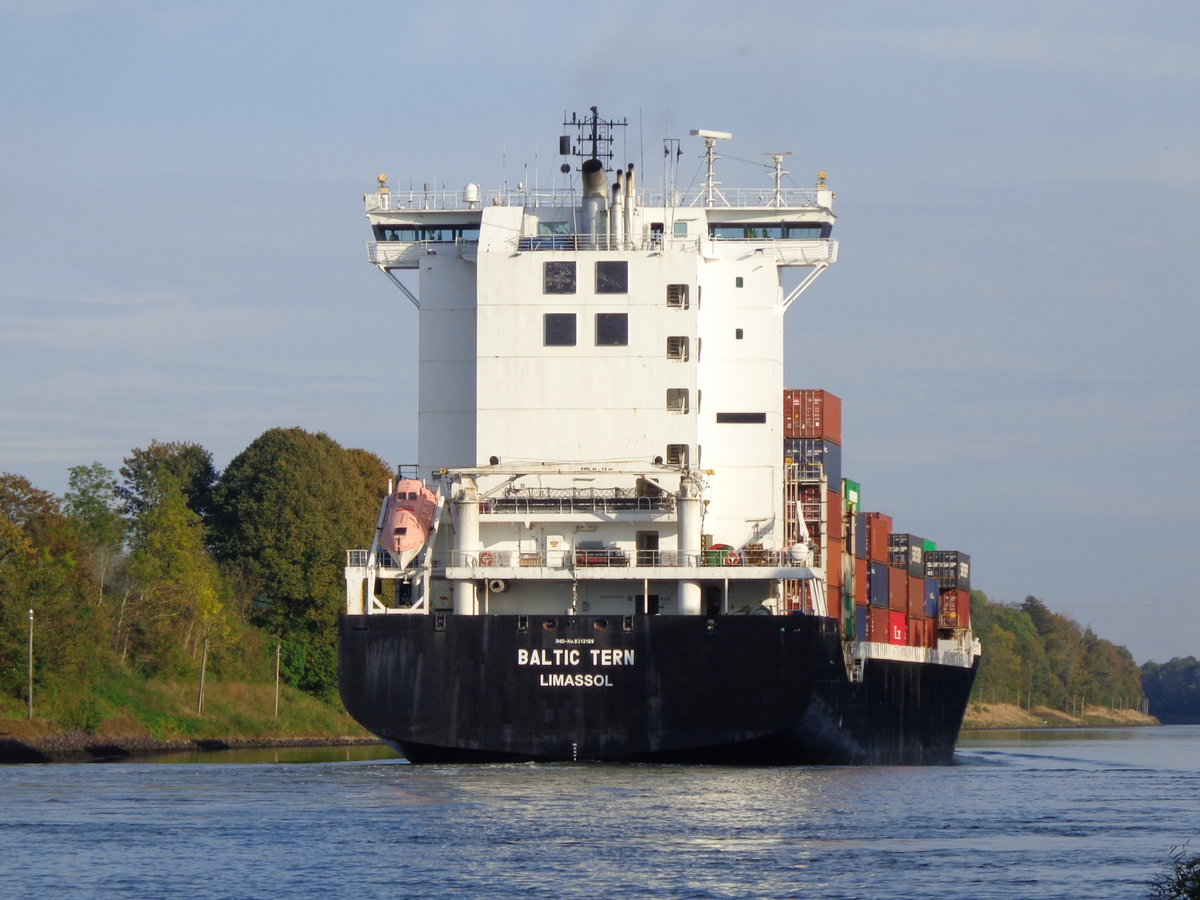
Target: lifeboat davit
[[407, 519]]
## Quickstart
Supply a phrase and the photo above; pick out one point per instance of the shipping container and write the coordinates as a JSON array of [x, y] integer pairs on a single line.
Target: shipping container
[[861, 582], [878, 629], [948, 608], [877, 528], [810, 413], [833, 567], [916, 631], [932, 592], [877, 584], [860, 623], [916, 596], [964, 609], [898, 627], [951, 568], [907, 551], [850, 494], [813, 456], [898, 590], [930, 546], [833, 512]]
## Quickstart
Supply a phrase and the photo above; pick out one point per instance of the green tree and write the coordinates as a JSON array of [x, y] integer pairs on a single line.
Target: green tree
[[176, 601], [190, 465], [93, 501], [286, 510], [1173, 689]]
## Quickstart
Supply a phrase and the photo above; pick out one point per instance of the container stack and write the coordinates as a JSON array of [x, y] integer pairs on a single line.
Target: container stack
[[888, 587]]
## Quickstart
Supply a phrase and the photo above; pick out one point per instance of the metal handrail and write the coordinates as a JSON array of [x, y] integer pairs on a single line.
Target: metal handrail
[[749, 198]]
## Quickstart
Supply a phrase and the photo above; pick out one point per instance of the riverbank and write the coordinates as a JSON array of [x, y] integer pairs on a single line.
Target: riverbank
[[1006, 715], [131, 716]]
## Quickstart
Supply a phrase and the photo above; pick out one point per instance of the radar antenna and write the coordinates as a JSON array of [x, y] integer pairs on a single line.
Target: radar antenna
[[710, 141]]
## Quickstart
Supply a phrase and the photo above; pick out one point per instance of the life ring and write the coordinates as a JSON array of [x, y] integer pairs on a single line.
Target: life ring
[[486, 558], [732, 558]]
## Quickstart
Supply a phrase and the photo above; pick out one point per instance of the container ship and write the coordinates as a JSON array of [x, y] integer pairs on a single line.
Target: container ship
[[624, 539]]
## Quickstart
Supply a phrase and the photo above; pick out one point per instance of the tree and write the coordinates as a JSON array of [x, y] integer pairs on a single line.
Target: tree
[[189, 464], [176, 603], [1173, 689], [92, 500], [286, 510]]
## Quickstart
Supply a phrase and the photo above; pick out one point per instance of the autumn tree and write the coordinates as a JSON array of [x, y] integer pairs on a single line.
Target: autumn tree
[[286, 510], [92, 500]]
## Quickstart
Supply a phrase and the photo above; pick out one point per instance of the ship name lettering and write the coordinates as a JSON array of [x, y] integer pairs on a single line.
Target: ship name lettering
[[610, 657], [557, 657], [572, 679]]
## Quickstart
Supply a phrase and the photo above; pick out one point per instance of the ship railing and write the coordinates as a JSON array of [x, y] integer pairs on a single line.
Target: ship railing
[[357, 559], [604, 241], [573, 504], [749, 198], [395, 253], [616, 557]]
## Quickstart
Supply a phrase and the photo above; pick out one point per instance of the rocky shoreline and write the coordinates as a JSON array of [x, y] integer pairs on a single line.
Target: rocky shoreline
[[76, 746]]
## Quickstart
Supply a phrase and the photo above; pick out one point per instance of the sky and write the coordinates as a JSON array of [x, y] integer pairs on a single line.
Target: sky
[[1012, 325]]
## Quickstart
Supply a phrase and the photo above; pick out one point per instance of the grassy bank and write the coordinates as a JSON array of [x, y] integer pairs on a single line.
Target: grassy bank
[[1006, 715], [135, 715]]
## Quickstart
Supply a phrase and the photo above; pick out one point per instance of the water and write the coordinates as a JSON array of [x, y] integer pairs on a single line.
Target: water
[[1024, 815]]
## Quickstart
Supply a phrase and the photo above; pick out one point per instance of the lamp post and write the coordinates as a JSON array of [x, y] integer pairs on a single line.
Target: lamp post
[[30, 691]]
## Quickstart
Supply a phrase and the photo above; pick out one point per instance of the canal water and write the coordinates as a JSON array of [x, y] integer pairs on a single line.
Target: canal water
[[1033, 814]]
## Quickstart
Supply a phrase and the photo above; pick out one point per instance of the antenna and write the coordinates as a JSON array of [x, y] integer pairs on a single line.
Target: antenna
[[710, 141], [778, 172]]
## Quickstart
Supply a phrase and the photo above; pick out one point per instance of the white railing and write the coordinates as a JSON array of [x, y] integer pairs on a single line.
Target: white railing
[[748, 198], [599, 558]]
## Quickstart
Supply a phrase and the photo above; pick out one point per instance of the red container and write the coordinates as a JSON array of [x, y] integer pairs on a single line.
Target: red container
[[916, 597], [897, 627], [878, 628], [964, 609], [879, 532], [916, 631], [860, 582], [898, 590], [833, 567], [812, 413], [833, 515]]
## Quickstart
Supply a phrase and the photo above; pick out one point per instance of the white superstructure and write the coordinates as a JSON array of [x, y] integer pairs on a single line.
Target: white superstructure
[[600, 384]]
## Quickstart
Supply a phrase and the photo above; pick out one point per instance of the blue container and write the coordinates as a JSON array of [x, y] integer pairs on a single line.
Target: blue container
[[931, 597], [908, 552], [860, 623], [815, 455], [877, 584], [860, 535]]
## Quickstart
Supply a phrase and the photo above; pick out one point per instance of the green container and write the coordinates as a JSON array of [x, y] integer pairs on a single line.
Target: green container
[[930, 546], [850, 492]]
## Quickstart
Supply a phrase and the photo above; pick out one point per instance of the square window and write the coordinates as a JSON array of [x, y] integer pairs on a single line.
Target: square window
[[677, 296], [612, 277], [558, 278], [677, 347], [612, 329], [677, 454], [677, 400], [680, 229], [559, 329]]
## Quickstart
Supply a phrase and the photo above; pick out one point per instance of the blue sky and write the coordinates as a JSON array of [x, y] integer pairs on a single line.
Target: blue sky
[[1012, 326]]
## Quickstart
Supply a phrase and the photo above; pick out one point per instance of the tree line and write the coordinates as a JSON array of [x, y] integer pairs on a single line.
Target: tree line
[[1035, 657], [138, 571]]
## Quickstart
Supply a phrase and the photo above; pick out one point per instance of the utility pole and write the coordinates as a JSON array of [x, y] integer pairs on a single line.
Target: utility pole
[[30, 691], [278, 644], [203, 666]]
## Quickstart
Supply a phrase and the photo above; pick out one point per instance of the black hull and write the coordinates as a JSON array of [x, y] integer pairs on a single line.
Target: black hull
[[731, 690]]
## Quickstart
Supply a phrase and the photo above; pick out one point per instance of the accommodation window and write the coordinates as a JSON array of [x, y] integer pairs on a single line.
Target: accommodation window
[[738, 334], [739, 282], [677, 454], [680, 229], [677, 296], [677, 400], [558, 278], [559, 329], [741, 418], [612, 329], [677, 347], [612, 277]]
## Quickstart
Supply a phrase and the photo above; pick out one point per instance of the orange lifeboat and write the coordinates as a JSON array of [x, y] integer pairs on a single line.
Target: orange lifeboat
[[407, 519]]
